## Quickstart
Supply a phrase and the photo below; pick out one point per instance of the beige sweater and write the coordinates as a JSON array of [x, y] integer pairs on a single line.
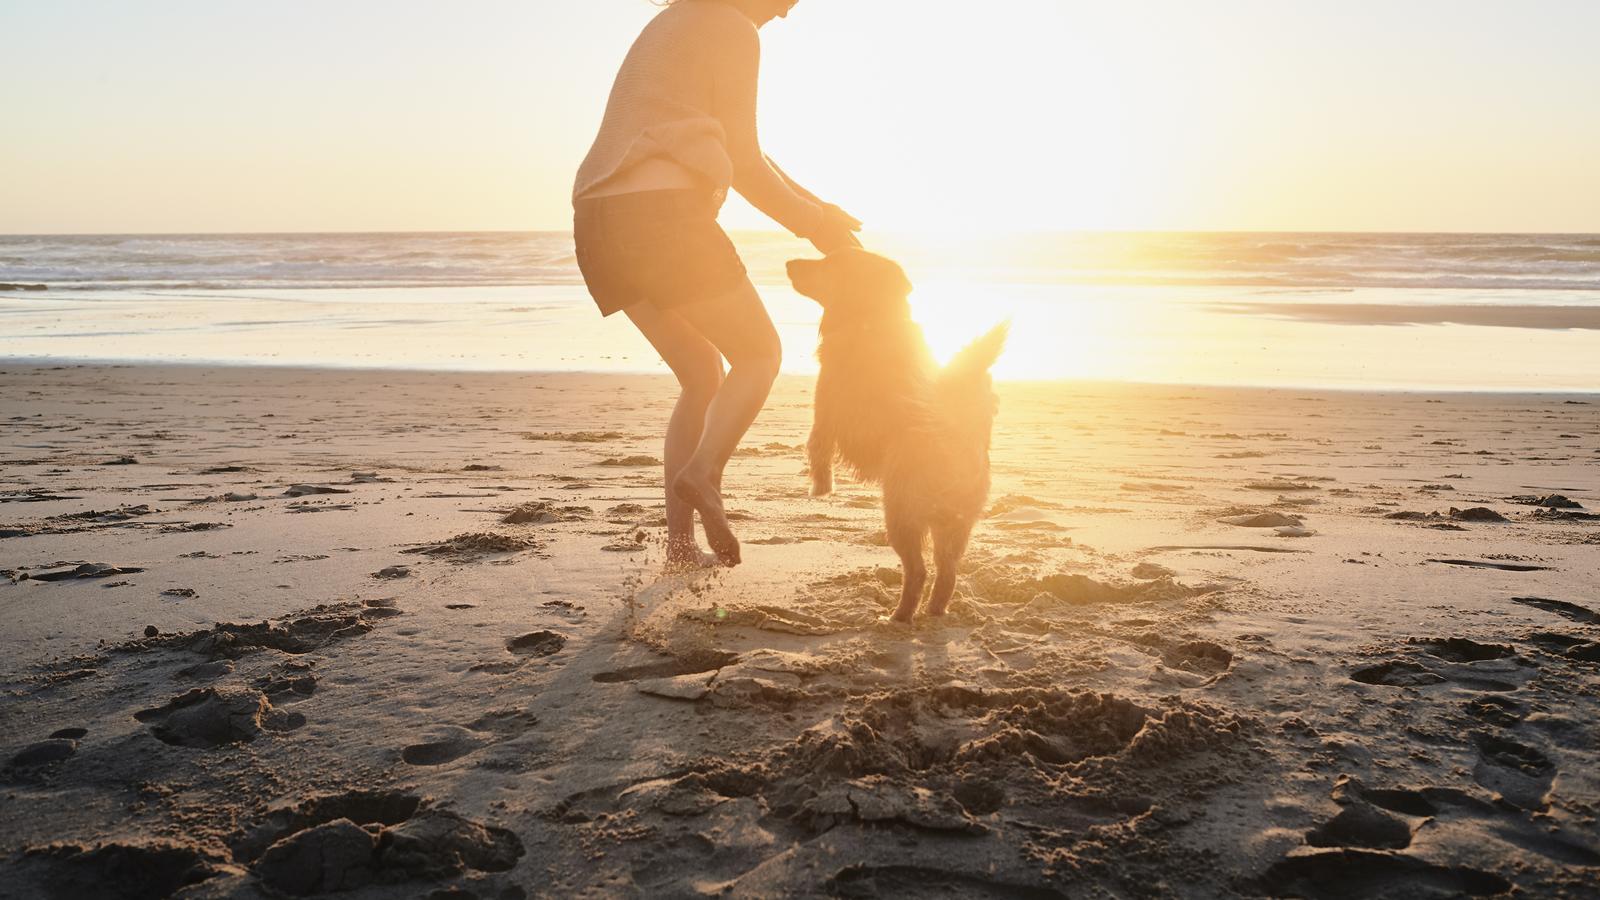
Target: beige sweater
[[687, 93]]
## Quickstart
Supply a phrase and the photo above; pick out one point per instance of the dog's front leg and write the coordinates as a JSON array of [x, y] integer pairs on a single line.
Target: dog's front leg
[[819, 452]]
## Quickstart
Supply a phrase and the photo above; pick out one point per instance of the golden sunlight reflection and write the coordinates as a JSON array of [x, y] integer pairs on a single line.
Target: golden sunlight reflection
[[1187, 335], [1061, 338]]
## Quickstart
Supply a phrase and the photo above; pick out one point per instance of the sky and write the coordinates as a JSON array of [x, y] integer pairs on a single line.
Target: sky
[[1007, 115]]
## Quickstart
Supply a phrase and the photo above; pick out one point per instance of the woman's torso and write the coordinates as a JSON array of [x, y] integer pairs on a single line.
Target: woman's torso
[[661, 129], [657, 173]]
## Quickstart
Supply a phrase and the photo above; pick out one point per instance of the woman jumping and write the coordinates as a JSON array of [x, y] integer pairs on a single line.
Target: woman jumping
[[679, 131]]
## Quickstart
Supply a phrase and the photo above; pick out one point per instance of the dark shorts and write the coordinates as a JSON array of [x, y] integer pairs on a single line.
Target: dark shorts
[[659, 247]]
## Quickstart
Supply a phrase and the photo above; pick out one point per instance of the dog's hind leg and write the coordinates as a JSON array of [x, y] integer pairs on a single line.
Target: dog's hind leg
[[906, 539], [949, 545], [819, 453]]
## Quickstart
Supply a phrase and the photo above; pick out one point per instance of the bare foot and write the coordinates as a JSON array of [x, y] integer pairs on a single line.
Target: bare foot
[[701, 493], [686, 556]]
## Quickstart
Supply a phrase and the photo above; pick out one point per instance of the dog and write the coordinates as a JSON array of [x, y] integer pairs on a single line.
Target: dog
[[889, 413]]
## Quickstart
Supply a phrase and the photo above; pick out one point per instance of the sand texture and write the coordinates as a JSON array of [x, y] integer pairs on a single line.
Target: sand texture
[[278, 632]]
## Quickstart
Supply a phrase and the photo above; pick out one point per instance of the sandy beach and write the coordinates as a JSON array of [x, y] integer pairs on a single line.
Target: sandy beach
[[406, 634], [343, 348]]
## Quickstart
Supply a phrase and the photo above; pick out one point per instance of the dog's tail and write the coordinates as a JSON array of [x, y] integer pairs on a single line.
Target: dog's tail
[[977, 358]]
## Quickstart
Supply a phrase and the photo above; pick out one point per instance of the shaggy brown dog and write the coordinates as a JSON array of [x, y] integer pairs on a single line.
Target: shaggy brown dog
[[890, 414]]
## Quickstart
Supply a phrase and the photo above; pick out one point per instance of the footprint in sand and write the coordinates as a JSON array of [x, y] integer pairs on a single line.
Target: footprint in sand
[[668, 669], [85, 570], [288, 682], [206, 718], [307, 490], [1486, 564], [1561, 608], [148, 868], [449, 744], [525, 647], [862, 880], [1397, 673], [566, 609], [1589, 652], [1520, 774], [1572, 647], [536, 643], [1196, 663], [1244, 547], [505, 722], [1262, 520], [44, 752], [667, 861], [1501, 712], [366, 807], [341, 842], [1462, 649], [381, 608], [1461, 654], [1201, 655], [1344, 873], [1452, 809], [1362, 825]]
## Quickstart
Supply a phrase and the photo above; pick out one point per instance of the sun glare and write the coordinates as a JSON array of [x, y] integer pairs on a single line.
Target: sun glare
[[1048, 340], [982, 147]]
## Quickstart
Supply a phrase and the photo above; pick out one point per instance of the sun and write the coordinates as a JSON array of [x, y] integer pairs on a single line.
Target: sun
[[1055, 333]]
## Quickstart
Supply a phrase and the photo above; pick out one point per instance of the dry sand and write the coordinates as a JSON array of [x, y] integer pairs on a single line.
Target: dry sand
[[1360, 684]]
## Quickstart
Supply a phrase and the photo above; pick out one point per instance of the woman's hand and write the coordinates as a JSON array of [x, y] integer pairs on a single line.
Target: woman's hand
[[852, 221], [836, 231]]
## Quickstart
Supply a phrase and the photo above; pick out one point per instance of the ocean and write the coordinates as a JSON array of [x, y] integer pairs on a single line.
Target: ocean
[[1376, 311]]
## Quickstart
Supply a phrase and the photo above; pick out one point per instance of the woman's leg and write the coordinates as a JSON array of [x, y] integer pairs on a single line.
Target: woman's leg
[[738, 325], [698, 367]]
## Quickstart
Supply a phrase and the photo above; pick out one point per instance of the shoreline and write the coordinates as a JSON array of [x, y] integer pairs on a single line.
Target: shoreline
[[1132, 335], [1076, 383]]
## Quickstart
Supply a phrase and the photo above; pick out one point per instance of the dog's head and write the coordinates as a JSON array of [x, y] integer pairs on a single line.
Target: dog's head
[[853, 285]]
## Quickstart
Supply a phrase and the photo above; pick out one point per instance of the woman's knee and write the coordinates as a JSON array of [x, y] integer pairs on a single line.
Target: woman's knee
[[739, 326], [760, 357], [764, 365], [701, 381]]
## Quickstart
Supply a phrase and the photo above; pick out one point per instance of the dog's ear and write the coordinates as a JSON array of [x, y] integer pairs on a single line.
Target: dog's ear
[[891, 277]]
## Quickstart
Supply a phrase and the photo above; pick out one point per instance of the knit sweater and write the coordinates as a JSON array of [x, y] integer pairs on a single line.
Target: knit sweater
[[687, 93]]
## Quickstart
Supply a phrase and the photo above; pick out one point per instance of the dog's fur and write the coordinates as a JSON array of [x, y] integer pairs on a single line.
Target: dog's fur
[[888, 412]]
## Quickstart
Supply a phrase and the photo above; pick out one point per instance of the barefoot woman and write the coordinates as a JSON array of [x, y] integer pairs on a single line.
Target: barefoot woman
[[678, 132]]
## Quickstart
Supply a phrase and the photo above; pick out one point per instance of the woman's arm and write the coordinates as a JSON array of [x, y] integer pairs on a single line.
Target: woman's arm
[[838, 226], [793, 185], [754, 176]]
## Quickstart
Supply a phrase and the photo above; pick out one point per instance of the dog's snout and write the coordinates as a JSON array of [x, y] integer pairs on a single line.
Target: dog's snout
[[803, 276], [801, 268]]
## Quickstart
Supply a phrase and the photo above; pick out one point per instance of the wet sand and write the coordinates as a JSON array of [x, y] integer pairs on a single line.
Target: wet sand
[[398, 633]]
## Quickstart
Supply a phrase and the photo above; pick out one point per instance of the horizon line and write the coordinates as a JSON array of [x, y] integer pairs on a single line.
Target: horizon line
[[772, 231]]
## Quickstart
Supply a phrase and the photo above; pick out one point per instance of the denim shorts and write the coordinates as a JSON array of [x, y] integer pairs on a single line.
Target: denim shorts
[[664, 248]]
